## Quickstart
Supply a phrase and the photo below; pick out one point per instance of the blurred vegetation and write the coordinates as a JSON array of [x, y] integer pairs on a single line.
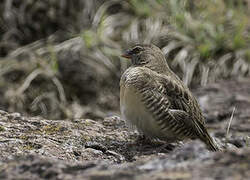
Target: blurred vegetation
[[61, 59]]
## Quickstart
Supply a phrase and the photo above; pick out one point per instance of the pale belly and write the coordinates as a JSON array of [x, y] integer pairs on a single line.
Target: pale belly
[[135, 113]]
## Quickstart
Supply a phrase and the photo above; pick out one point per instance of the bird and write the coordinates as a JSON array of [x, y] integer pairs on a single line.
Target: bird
[[155, 100]]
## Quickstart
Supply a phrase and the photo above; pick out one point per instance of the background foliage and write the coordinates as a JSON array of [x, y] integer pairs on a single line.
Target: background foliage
[[61, 59]]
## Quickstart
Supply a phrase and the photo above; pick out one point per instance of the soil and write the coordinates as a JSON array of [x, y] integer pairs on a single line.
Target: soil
[[37, 148]]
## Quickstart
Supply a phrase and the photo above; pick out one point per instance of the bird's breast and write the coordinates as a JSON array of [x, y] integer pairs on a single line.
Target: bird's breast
[[135, 113], [133, 108]]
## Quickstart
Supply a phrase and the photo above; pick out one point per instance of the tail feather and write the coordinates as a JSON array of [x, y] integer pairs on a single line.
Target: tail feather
[[205, 137], [211, 144]]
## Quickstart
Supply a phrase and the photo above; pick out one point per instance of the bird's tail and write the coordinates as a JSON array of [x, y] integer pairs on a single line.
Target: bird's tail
[[206, 138], [211, 144]]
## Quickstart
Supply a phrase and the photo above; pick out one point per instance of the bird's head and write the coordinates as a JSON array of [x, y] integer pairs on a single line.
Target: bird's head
[[147, 55]]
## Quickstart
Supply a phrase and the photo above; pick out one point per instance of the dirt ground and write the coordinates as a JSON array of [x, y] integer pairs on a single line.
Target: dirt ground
[[36, 148]]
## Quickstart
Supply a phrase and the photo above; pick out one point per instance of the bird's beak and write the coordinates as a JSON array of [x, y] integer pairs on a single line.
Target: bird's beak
[[127, 54]]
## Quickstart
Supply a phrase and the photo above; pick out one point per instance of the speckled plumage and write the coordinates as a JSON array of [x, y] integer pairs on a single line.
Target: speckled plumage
[[155, 100]]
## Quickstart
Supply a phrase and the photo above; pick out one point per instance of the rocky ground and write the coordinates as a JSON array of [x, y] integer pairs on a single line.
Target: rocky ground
[[36, 148]]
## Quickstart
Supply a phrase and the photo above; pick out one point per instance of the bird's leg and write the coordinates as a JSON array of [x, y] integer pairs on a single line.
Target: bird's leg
[[157, 145], [166, 147], [143, 139]]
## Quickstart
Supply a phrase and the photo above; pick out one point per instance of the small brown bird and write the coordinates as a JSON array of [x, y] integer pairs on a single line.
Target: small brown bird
[[156, 101]]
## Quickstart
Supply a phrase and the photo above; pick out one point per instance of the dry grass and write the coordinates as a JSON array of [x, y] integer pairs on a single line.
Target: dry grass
[[229, 124], [202, 42]]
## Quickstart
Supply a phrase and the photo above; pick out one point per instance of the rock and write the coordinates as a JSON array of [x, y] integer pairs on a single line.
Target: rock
[[221, 165], [37, 148]]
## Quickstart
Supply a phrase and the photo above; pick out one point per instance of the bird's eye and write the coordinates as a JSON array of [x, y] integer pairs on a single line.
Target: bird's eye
[[137, 49]]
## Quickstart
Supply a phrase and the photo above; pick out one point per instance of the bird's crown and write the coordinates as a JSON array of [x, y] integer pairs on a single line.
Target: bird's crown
[[147, 55]]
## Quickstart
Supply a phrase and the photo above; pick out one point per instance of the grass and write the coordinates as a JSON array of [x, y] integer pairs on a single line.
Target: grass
[[2, 128], [202, 41], [247, 139], [229, 124], [33, 85]]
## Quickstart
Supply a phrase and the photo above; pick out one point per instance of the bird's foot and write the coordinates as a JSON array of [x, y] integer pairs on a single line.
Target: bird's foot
[[156, 145], [142, 139], [167, 147]]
